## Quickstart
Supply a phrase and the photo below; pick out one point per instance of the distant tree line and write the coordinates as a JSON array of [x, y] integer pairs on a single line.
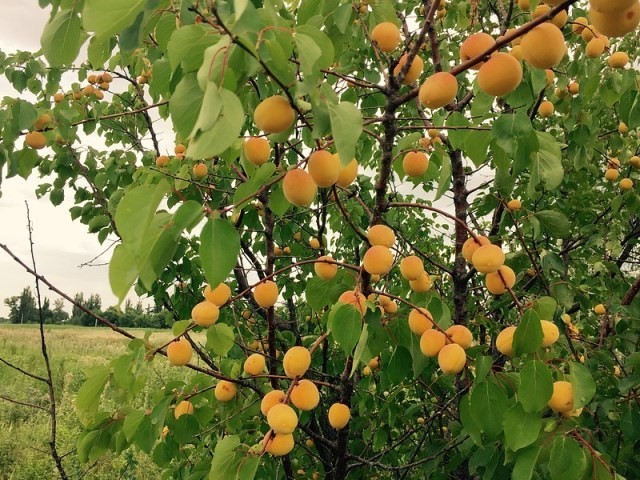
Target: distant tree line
[[23, 308]]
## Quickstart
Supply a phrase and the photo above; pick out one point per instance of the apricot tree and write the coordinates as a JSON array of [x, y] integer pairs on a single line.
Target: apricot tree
[[392, 221]]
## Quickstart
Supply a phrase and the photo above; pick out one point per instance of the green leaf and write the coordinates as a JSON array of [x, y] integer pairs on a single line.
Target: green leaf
[[98, 51], [445, 177], [88, 398], [567, 458], [109, 18], [187, 45], [212, 136], [545, 307], [224, 462], [319, 293], [483, 367], [346, 127], [346, 326], [584, 388], [536, 386], [547, 164], [122, 272], [360, 347], [309, 53], [525, 464], [219, 248], [521, 429], [220, 338], [61, 38], [554, 223], [468, 421], [488, 404], [509, 129], [131, 423], [528, 336], [179, 327], [184, 105]]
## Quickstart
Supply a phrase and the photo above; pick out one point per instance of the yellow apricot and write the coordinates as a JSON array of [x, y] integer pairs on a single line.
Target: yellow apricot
[[623, 128], [42, 121], [588, 33], [595, 48], [574, 88], [504, 341], [415, 70], [282, 419], [279, 445], [611, 6], [578, 25], [257, 150], [472, 244], [162, 161], [266, 294], [366, 371], [324, 168], [550, 76], [514, 205], [524, 5], [475, 45], [422, 284], [352, 297], [635, 161], [390, 307], [500, 75], [414, 164], [339, 415], [544, 47], [411, 267], [305, 395], [225, 391], [600, 309], [438, 90], [326, 271], [550, 331], [618, 60], [432, 341], [274, 114], [452, 359], [420, 321], [386, 36], [254, 364], [205, 314], [218, 295], [183, 408], [381, 235], [378, 260], [488, 259], [200, 170], [500, 281], [274, 397], [314, 243], [35, 140], [562, 398], [179, 352], [374, 363], [611, 174], [461, 335], [299, 188], [616, 24], [516, 52], [348, 174], [296, 361], [179, 149], [546, 109], [58, 97]]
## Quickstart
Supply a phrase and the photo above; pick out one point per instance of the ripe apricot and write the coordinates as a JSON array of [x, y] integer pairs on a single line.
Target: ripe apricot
[[626, 184], [422, 284], [279, 445], [185, 407], [162, 161], [266, 294], [299, 188], [524, 5], [550, 331], [595, 48], [438, 90], [225, 391], [179, 149], [514, 205], [274, 114], [414, 164], [488, 259], [339, 415], [504, 342], [559, 19], [472, 244], [35, 140], [544, 47], [411, 267], [618, 60], [200, 170], [282, 419], [562, 398], [578, 25], [390, 307], [623, 128], [42, 121], [257, 150], [254, 364], [432, 341], [461, 335], [324, 168], [414, 72], [348, 173], [374, 363], [386, 36], [516, 52], [500, 281], [305, 395], [475, 45], [546, 109], [378, 260], [274, 397], [296, 361], [611, 174], [550, 76], [452, 359], [205, 314], [58, 97], [574, 88], [314, 243], [381, 235], [616, 24], [420, 321], [218, 295], [500, 75], [612, 6], [352, 297], [179, 352], [635, 161], [324, 270]]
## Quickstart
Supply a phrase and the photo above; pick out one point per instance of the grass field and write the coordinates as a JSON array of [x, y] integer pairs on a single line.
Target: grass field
[[24, 431]]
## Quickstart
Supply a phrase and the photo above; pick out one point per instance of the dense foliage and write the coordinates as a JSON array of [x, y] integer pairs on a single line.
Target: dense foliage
[[202, 135]]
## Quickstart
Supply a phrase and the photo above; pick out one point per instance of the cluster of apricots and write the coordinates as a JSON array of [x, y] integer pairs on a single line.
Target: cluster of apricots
[[199, 170]]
